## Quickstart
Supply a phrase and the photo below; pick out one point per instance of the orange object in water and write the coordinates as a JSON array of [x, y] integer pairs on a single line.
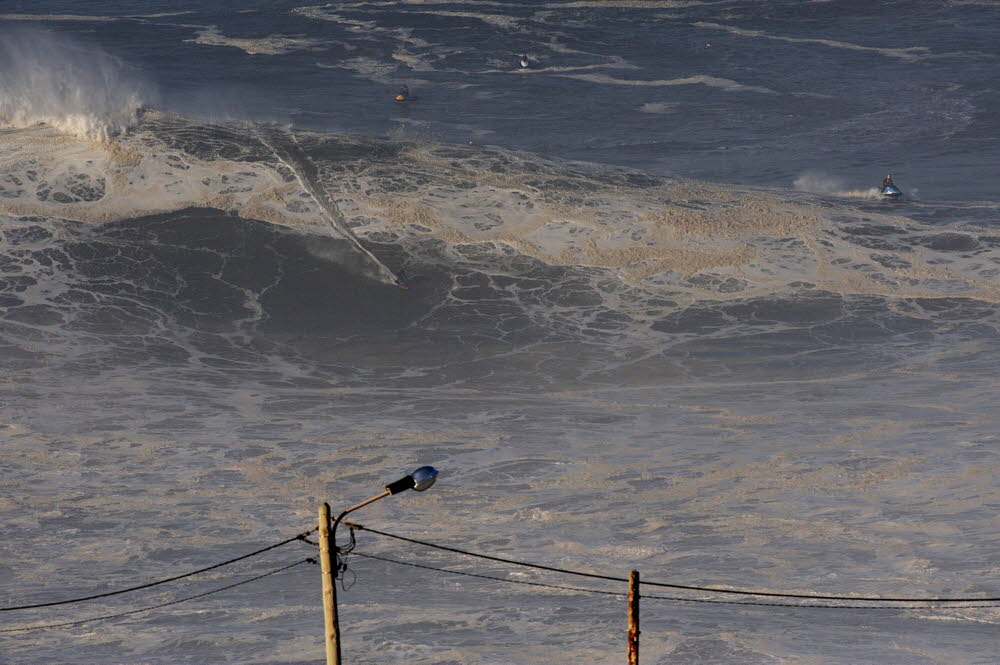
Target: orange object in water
[[400, 98]]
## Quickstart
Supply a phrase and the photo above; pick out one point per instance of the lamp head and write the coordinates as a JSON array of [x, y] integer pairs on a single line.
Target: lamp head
[[424, 477], [419, 480]]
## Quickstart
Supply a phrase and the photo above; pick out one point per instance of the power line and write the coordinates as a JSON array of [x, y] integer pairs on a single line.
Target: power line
[[154, 607], [684, 587], [301, 536], [488, 577], [485, 556], [677, 598], [894, 608]]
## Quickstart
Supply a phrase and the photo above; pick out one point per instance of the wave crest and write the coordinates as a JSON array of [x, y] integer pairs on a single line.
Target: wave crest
[[74, 87]]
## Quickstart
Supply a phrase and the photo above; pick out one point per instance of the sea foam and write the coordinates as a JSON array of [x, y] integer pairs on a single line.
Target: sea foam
[[74, 87]]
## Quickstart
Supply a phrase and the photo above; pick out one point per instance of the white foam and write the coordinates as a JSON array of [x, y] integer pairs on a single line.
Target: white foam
[[84, 17], [76, 88], [818, 182], [910, 54], [614, 63], [414, 61], [506, 22], [658, 237], [322, 13], [137, 175], [270, 45], [54, 17], [627, 4], [701, 79], [365, 66], [404, 35], [658, 107]]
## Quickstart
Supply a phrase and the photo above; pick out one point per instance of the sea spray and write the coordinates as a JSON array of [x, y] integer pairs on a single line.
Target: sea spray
[[53, 78], [821, 183]]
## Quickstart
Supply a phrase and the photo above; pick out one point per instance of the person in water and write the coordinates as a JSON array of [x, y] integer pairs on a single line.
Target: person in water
[[523, 59], [404, 94]]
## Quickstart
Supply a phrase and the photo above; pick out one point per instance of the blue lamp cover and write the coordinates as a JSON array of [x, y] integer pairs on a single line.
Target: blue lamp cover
[[424, 477]]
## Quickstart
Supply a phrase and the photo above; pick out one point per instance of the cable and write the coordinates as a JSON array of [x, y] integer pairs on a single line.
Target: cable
[[485, 556], [686, 600], [684, 587], [817, 596], [489, 577], [894, 608], [301, 536], [154, 607]]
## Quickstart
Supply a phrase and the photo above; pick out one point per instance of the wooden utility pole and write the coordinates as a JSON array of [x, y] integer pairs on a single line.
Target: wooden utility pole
[[331, 628], [633, 618]]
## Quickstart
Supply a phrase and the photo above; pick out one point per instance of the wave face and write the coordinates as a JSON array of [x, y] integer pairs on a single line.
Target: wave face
[[67, 84], [754, 386], [513, 249]]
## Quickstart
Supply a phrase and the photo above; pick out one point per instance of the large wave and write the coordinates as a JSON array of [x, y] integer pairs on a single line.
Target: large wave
[[60, 81], [599, 275], [693, 240]]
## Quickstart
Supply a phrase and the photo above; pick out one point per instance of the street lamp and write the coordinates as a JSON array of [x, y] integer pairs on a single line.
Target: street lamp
[[420, 480]]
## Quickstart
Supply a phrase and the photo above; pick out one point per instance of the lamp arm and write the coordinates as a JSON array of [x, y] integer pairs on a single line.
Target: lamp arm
[[336, 523]]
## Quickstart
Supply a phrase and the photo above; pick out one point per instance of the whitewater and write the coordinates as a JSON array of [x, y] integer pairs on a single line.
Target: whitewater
[[658, 318]]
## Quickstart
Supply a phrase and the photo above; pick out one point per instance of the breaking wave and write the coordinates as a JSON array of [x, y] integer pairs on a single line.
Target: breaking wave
[[287, 240], [74, 87], [692, 240]]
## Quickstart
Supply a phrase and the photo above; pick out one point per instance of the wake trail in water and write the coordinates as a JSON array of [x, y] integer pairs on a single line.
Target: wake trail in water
[[287, 151], [822, 183]]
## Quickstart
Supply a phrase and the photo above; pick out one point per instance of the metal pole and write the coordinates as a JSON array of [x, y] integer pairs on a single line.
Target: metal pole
[[331, 629], [633, 618]]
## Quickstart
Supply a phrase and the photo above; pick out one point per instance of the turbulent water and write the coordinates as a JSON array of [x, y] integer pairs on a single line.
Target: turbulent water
[[659, 318]]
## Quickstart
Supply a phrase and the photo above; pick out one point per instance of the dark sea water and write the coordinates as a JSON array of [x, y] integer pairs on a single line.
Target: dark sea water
[[659, 318]]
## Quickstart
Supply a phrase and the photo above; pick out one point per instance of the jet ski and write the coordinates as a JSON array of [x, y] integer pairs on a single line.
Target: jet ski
[[891, 191]]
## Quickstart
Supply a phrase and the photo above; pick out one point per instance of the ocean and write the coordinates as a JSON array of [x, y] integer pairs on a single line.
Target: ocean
[[659, 317]]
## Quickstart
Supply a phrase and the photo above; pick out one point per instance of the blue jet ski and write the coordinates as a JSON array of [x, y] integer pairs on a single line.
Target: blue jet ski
[[891, 191]]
